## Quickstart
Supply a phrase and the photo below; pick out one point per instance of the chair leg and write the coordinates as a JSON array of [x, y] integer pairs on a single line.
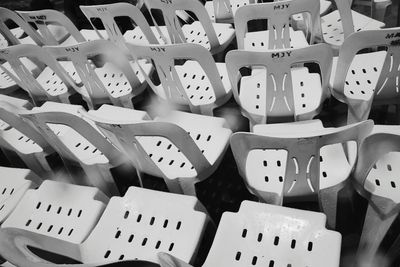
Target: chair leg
[[379, 9], [394, 251], [185, 186], [328, 201], [38, 164], [100, 177], [374, 230]]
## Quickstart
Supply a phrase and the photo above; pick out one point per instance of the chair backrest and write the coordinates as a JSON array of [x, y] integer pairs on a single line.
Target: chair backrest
[[348, 85], [269, 235], [60, 210], [278, 15], [14, 183], [6, 15], [27, 79], [169, 10], [279, 87], [83, 56], [225, 10], [70, 118], [44, 19], [373, 149], [145, 222], [302, 174], [182, 145], [9, 119], [164, 56], [107, 15]]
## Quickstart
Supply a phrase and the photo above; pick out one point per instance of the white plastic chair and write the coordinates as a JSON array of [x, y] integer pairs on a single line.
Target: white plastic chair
[[266, 235], [42, 85], [141, 33], [376, 177], [224, 10], [297, 162], [55, 28], [280, 89], [79, 143], [339, 24], [137, 226], [14, 183], [18, 137], [171, 146], [213, 36], [279, 33], [199, 83], [370, 78], [114, 79], [24, 33]]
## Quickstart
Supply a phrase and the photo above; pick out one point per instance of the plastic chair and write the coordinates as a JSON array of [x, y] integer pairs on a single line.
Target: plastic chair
[[376, 177], [136, 226], [267, 235], [55, 28], [172, 146], [59, 210], [14, 183], [339, 24], [79, 143], [279, 34], [18, 137], [298, 162], [199, 83], [24, 33], [42, 85], [103, 72], [141, 34], [370, 78], [224, 10], [280, 89], [213, 36]]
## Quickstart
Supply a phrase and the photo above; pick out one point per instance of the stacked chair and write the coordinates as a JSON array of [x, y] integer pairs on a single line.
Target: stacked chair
[[125, 146]]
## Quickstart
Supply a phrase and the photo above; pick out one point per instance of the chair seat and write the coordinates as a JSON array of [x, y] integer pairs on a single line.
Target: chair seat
[[307, 92], [194, 33], [267, 167], [268, 235], [14, 183], [6, 81], [137, 37], [116, 82], [59, 210], [211, 139], [258, 41], [197, 85], [78, 145], [18, 141], [332, 28], [143, 223], [363, 75], [383, 180]]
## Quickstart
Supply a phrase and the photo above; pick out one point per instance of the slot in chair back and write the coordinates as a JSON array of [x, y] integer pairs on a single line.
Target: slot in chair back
[[53, 26], [278, 15], [363, 79], [116, 82], [107, 15], [276, 93], [200, 83], [56, 88]]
